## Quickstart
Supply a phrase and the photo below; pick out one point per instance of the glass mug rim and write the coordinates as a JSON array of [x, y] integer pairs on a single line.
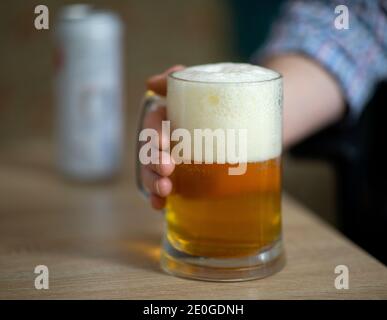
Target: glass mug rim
[[278, 76]]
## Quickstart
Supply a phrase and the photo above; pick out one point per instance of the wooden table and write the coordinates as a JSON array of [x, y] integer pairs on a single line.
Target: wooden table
[[103, 241]]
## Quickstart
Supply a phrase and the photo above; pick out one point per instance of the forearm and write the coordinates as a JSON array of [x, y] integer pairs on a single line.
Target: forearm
[[312, 97]]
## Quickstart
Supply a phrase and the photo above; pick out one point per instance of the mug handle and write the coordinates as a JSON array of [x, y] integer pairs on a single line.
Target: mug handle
[[151, 101]]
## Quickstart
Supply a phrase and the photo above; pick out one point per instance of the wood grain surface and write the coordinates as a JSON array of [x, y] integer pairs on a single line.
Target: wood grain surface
[[103, 241]]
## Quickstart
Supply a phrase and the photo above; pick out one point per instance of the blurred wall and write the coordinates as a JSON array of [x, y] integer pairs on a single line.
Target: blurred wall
[[158, 34]]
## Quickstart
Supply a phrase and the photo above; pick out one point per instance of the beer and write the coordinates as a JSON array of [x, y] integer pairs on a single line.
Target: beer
[[214, 214], [217, 220]]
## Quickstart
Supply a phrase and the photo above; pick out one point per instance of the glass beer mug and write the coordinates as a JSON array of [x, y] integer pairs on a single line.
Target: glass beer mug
[[223, 216]]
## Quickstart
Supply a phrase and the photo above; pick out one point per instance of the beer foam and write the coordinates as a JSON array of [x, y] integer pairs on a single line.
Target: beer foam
[[229, 96], [226, 73]]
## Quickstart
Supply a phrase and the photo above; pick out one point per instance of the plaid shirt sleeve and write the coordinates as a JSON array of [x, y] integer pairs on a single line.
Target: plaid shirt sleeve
[[356, 57]]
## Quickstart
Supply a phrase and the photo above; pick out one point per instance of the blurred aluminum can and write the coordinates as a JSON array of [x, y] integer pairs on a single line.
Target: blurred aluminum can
[[88, 92]]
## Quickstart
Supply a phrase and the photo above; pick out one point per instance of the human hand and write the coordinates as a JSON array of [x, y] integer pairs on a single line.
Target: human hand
[[155, 177]]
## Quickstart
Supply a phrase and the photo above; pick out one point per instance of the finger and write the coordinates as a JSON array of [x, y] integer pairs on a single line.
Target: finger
[[153, 119], [157, 202], [158, 83], [164, 165], [161, 186]]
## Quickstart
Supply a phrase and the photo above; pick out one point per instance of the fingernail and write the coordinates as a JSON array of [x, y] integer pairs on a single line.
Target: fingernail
[[157, 187]]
